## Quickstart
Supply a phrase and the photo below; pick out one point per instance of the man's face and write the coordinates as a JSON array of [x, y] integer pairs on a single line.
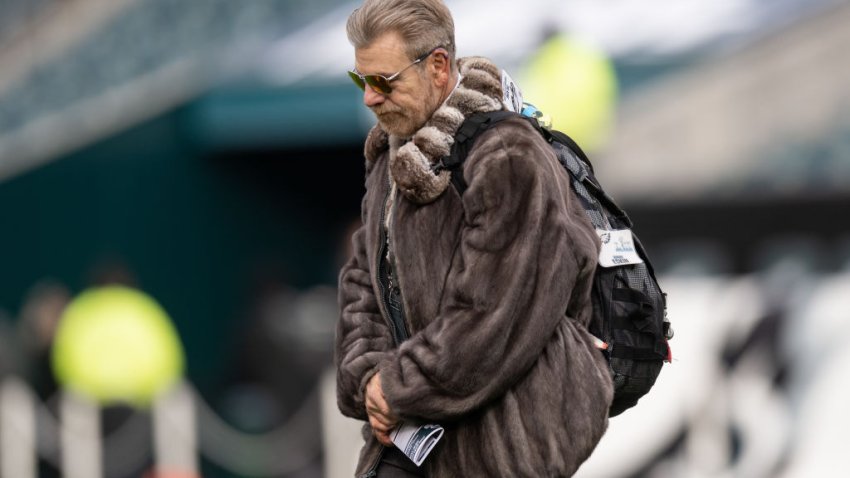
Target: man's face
[[414, 97]]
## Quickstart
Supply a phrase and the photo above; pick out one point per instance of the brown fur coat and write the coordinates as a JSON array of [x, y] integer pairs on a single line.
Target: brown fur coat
[[486, 279]]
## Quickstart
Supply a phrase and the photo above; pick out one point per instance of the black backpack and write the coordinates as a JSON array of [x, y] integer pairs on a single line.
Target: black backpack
[[629, 308]]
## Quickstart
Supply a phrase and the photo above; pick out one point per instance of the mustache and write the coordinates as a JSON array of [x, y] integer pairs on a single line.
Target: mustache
[[385, 109]]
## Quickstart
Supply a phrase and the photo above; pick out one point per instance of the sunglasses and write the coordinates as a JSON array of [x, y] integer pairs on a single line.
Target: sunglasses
[[381, 83]]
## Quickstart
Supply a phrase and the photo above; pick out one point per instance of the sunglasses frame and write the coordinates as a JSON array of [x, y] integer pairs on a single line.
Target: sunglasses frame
[[380, 83]]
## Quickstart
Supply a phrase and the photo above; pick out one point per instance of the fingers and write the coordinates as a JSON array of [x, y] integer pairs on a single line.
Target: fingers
[[381, 431], [386, 417], [381, 418], [381, 421], [374, 393], [378, 425], [383, 438], [375, 401]]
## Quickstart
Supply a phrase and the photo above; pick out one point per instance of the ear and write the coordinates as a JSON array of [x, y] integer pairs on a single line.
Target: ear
[[439, 67]]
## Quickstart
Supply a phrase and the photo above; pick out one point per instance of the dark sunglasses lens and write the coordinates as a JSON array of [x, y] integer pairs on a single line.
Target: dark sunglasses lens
[[379, 84], [357, 80]]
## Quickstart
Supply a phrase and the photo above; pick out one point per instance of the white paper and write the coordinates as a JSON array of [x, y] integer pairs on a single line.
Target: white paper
[[618, 248], [511, 94], [416, 441]]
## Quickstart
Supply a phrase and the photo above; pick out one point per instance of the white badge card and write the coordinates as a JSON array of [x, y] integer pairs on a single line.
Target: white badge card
[[512, 95], [618, 248]]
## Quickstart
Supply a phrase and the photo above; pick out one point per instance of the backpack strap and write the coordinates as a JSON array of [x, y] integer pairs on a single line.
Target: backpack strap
[[477, 123], [465, 137], [561, 137], [581, 172]]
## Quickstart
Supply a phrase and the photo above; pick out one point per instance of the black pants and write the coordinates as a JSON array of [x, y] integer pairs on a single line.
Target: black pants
[[395, 465]]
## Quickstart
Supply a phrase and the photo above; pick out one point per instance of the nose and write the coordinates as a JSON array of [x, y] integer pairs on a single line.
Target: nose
[[371, 97]]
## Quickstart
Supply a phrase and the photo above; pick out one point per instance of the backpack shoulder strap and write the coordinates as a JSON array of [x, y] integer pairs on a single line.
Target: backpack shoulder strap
[[465, 137], [477, 123], [552, 135]]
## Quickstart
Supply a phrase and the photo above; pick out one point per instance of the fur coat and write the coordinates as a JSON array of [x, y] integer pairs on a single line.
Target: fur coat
[[496, 286]]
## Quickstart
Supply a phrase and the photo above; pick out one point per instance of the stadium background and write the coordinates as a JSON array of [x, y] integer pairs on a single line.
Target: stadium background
[[209, 154]]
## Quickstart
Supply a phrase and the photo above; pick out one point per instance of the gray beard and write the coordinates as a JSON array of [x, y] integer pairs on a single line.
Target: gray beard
[[397, 124]]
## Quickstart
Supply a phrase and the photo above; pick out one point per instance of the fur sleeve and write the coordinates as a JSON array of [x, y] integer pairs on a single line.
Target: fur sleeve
[[508, 287], [362, 335]]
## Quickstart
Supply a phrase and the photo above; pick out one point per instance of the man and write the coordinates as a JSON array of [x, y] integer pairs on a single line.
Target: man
[[467, 311]]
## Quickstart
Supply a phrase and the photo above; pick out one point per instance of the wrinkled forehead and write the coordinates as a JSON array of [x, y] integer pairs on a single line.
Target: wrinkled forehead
[[384, 56]]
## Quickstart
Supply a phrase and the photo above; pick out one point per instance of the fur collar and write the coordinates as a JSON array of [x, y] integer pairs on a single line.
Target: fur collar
[[411, 164]]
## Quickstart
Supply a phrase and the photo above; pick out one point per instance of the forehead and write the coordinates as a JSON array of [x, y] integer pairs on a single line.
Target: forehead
[[385, 55]]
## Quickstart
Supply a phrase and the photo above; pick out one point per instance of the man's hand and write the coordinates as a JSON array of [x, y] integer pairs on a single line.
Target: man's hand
[[381, 418]]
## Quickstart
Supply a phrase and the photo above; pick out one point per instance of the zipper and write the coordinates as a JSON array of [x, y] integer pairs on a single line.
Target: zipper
[[398, 337], [380, 257], [372, 472], [395, 295], [399, 330]]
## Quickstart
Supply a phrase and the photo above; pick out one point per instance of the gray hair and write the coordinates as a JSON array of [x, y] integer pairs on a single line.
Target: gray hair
[[423, 24]]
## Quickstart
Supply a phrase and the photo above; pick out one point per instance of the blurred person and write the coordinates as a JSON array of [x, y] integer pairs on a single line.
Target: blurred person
[[112, 269], [9, 355], [38, 320], [452, 306], [280, 353]]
